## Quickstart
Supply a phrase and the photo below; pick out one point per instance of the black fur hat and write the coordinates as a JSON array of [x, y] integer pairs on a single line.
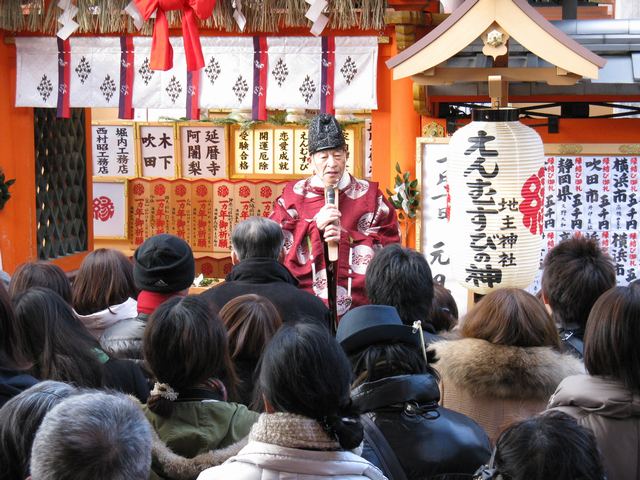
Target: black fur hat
[[324, 133]]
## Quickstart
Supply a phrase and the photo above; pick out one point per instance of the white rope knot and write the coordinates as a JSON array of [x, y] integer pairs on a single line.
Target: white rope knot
[[164, 390]]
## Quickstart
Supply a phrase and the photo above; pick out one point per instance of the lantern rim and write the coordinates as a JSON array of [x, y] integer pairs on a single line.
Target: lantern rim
[[507, 114]]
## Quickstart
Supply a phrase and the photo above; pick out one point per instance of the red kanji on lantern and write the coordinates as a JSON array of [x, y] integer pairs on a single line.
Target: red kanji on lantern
[[531, 207]]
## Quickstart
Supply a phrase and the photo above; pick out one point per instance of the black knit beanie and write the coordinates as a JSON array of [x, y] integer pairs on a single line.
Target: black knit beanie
[[324, 133], [163, 263]]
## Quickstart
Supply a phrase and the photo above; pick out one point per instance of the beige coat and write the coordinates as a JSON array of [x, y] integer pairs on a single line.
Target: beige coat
[[612, 412], [496, 384]]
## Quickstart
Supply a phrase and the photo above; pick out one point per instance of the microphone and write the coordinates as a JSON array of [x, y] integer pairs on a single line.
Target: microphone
[[330, 195], [331, 199]]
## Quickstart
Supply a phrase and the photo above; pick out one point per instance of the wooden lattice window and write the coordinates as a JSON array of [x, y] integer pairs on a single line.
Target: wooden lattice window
[[61, 188]]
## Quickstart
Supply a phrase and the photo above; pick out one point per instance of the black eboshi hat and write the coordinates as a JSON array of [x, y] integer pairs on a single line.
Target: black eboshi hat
[[324, 133]]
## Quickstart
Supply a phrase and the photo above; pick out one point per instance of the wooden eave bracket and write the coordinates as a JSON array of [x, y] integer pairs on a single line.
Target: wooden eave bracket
[[448, 76]]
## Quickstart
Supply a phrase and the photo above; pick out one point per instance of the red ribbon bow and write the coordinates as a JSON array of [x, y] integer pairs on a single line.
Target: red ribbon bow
[[161, 51]]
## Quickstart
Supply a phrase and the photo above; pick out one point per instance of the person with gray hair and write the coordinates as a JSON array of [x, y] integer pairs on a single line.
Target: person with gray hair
[[257, 252], [20, 418], [257, 237], [93, 436]]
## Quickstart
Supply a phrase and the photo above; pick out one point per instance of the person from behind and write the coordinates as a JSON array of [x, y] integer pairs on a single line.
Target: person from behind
[[551, 445], [251, 321], [444, 313], [57, 346], [397, 392], [40, 274], [257, 252], [400, 277], [103, 291], [507, 363], [607, 400], [20, 418], [186, 347], [14, 377], [93, 436], [309, 424], [576, 272], [163, 268]]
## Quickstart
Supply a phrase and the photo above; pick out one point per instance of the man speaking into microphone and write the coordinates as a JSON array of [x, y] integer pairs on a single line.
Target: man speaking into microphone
[[333, 215]]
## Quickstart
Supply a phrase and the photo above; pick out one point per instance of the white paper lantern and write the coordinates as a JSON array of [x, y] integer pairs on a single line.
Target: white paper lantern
[[496, 179]]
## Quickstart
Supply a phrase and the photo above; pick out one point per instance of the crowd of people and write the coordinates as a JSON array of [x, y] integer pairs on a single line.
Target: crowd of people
[[302, 367], [138, 379]]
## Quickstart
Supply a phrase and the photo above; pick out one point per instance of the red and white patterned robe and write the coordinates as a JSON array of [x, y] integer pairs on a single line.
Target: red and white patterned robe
[[368, 222]]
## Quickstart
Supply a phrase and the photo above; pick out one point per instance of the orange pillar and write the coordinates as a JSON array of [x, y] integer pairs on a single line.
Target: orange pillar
[[17, 158], [395, 124]]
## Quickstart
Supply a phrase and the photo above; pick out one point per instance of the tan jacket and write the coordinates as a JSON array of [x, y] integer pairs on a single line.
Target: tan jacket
[[496, 384], [612, 412]]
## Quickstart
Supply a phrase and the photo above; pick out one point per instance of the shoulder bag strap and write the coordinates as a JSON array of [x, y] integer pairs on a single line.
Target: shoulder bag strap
[[379, 444]]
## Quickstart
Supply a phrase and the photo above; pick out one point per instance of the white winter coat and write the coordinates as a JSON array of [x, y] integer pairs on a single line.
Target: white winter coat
[[264, 461]]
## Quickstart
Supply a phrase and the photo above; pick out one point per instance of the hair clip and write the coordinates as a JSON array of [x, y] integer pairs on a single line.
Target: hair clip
[[486, 472], [417, 328], [164, 390]]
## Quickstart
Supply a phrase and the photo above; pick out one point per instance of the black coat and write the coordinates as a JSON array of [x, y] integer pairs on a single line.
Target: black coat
[[272, 280], [427, 439], [127, 377], [12, 382]]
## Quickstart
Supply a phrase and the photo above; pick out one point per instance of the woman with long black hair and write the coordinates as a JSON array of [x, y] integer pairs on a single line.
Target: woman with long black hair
[[57, 346]]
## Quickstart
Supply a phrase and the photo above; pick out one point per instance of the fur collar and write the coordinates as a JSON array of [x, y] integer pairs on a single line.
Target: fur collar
[[503, 371], [291, 431], [181, 468]]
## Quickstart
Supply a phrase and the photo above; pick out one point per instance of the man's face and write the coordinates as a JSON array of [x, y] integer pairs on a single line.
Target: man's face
[[329, 164]]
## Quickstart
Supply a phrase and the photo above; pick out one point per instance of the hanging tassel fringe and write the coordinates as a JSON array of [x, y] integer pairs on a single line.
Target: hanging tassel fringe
[[109, 17]]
